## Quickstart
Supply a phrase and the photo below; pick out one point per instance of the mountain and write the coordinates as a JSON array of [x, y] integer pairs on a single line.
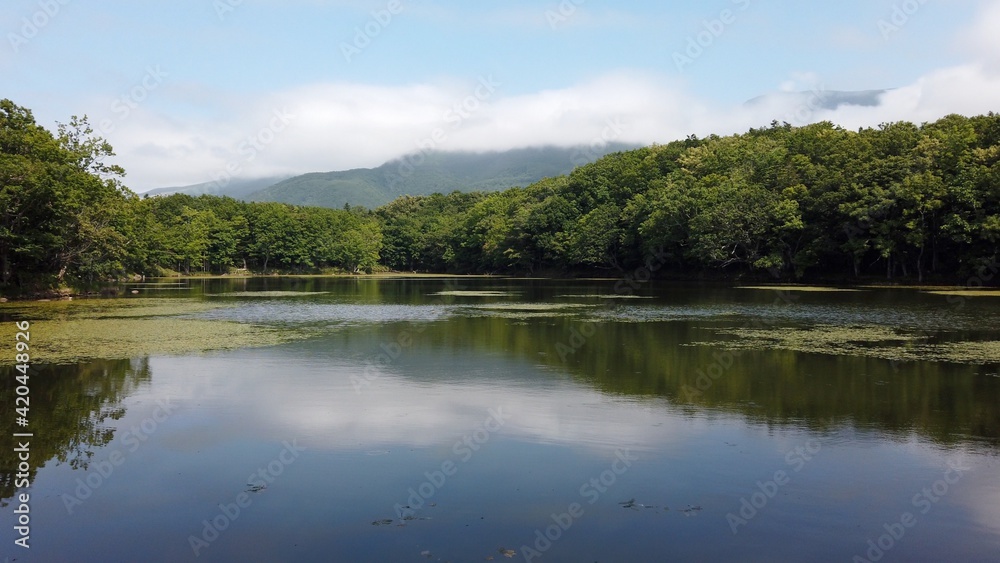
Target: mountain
[[236, 188], [426, 173]]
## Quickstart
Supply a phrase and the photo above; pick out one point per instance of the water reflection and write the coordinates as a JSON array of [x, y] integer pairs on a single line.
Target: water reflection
[[414, 403], [946, 402], [72, 413], [393, 379]]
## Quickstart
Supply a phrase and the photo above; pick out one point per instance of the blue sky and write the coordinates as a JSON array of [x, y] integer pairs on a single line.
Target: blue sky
[[190, 90]]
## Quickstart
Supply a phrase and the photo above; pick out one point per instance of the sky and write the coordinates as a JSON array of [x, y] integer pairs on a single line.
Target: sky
[[192, 91]]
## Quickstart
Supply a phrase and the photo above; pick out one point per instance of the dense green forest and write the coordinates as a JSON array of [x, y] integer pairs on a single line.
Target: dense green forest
[[899, 200]]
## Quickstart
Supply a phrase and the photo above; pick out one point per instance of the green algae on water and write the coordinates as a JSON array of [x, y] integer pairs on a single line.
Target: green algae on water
[[107, 308], [803, 288], [267, 294], [606, 296], [872, 341], [967, 292], [473, 293], [528, 310], [73, 331]]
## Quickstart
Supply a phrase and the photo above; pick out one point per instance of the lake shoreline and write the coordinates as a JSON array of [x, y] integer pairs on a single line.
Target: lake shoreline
[[123, 287]]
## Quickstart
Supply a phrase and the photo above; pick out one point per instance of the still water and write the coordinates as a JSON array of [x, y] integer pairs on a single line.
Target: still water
[[468, 419]]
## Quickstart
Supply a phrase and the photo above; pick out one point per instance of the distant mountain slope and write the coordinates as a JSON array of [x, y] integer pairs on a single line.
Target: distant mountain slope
[[437, 172], [236, 189]]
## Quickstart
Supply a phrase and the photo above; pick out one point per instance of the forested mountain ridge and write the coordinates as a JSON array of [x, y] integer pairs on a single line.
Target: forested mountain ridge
[[235, 188], [813, 201], [416, 174], [793, 202], [431, 172]]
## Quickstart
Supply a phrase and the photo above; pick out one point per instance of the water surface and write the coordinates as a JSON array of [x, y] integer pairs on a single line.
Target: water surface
[[443, 420]]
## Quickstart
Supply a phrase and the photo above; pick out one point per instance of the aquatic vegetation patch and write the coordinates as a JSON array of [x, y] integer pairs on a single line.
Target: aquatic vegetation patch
[[636, 314], [71, 341], [520, 311], [474, 293], [872, 341], [267, 294], [128, 307], [969, 352], [803, 288], [531, 306], [606, 296], [831, 339], [523, 315], [967, 292], [292, 313], [73, 331], [904, 286]]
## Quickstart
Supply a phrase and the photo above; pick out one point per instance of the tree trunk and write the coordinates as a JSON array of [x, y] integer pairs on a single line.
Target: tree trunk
[[4, 270], [920, 265]]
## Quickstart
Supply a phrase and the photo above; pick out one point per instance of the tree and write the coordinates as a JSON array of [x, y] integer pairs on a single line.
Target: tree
[[63, 205]]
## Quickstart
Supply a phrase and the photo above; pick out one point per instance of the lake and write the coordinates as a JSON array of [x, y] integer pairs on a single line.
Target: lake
[[475, 419]]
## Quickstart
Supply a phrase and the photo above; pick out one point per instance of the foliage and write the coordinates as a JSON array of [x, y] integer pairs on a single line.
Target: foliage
[[425, 173], [791, 202]]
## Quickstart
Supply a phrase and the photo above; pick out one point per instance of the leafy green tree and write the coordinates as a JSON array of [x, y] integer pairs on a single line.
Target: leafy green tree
[[792, 201], [62, 203]]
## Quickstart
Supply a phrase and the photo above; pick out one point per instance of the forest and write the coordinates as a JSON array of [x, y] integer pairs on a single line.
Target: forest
[[899, 201]]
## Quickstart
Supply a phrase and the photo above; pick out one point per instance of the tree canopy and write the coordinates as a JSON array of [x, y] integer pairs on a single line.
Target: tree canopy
[[898, 200]]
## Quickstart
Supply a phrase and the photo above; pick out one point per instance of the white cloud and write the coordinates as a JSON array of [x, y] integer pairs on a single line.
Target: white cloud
[[396, 410], [343, 125], [339, 125], [982, 40], [967, 90]]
